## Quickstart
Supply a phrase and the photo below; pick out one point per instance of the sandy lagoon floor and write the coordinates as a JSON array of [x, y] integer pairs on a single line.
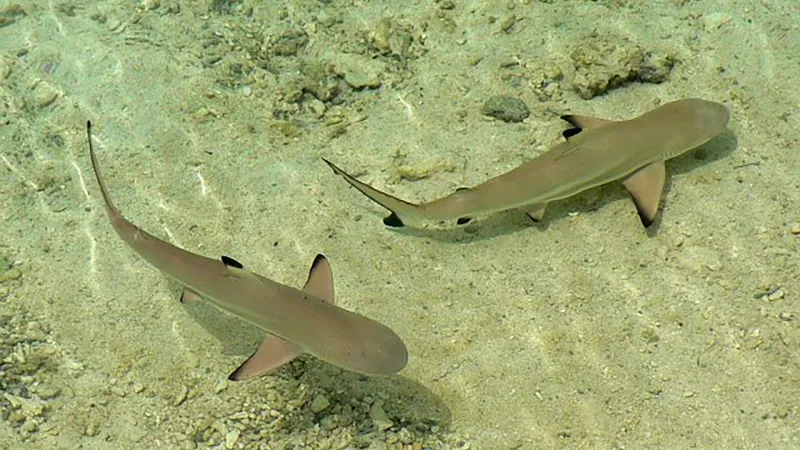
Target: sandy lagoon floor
[[211, 117]]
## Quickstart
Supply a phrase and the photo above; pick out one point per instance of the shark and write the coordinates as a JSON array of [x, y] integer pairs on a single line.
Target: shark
[[297, 321], [594, 152]]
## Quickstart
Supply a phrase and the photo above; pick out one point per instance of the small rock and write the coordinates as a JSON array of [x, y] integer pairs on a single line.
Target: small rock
[[505, 108], [220, 386], [11, 274], [360, 72], [151, 4], [118, 391], [379, 417], [113, 24], [44, 95], [181, 396], [775, 294], [5, 68], [231, 437], [46, 392], [319, 404], [796, 228]]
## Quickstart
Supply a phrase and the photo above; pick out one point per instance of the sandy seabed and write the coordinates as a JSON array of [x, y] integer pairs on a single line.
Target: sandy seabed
[[211, 117]]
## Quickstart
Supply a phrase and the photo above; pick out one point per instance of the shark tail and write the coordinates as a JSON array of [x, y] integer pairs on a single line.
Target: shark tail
[[401, 210]]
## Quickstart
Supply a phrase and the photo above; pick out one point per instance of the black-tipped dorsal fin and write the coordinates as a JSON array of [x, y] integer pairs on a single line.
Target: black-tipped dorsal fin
[[320, 279]]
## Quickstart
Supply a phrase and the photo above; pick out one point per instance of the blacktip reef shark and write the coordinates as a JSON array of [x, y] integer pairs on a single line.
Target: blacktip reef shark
[[298, 321], [596, 151]]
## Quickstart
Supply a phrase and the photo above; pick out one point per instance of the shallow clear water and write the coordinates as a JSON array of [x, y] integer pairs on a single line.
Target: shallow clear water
[[211, 119]]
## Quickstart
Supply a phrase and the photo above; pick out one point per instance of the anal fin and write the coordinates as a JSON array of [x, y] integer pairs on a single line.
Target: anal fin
[[189, 296], [645, 187], [536, 211]]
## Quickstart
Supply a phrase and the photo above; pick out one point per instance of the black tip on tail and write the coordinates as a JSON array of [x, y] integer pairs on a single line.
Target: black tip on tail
[[570, 132], [230, 262], [393, 221]]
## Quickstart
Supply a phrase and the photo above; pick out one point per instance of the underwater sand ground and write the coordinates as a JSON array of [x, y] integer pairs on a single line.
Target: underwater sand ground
[[211, 118]]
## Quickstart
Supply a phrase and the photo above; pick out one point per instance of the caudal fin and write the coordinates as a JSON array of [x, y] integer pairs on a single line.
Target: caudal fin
[[401, 210]]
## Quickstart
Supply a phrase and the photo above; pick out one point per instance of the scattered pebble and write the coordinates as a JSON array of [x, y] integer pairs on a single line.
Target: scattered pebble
[[44, 94], [220, 386], [505, 108], [379, 417], [13, 273], [360, 72], [118, 391], [5, 68], [231, 437], [796, 228], [319, 404], [151, 4], [773, 295], [183, 392], [601, 65]]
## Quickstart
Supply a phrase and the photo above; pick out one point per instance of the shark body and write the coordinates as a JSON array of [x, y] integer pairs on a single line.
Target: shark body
[[298, 321], [596, 151]]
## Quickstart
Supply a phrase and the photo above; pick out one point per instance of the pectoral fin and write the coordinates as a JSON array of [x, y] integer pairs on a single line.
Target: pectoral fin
[[271, 354], [645, 187], [189, 296]]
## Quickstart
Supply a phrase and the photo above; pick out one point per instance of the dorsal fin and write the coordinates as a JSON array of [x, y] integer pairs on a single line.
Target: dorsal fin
[[320, 279]]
